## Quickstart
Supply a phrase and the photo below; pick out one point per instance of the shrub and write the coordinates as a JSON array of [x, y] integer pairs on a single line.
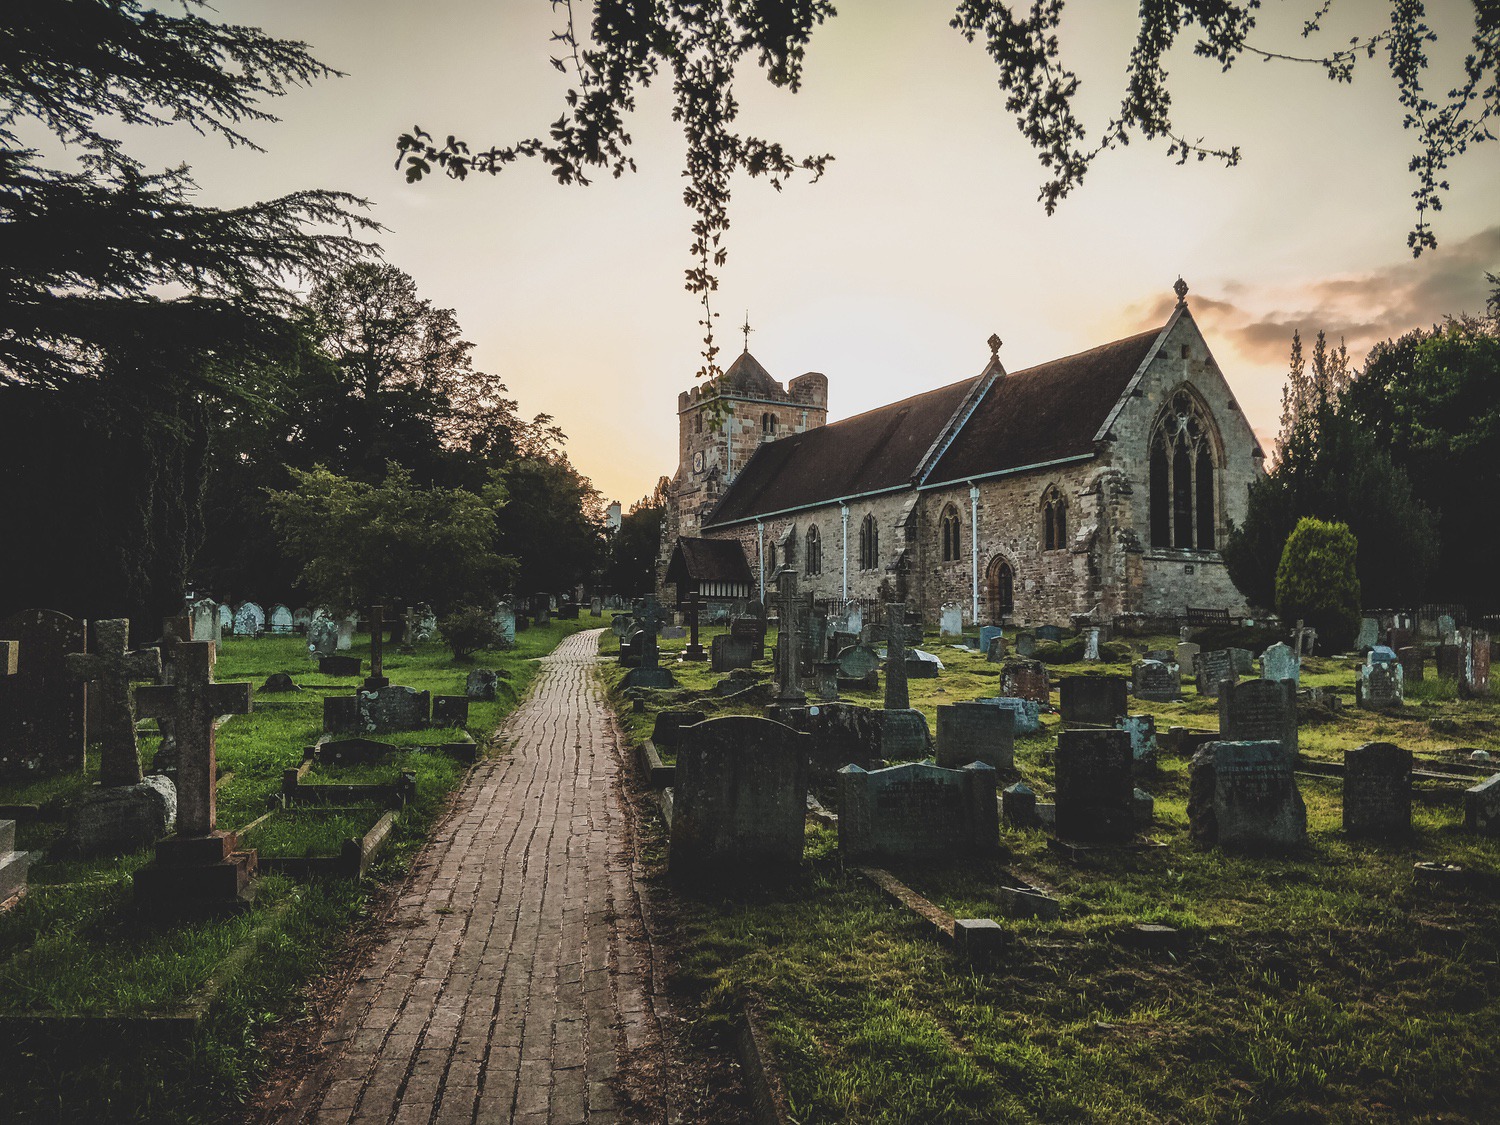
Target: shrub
[[1317, 583], [1060, 652], [467, 630], [1116, 652]]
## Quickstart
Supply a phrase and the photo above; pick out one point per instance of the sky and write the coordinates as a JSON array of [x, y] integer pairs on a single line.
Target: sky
[[923, 238]]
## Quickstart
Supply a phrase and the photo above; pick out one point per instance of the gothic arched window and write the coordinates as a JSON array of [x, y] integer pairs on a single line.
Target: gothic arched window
[[869, 544], [1184, 464], [952, 543], [1054, 519], [813, 551]]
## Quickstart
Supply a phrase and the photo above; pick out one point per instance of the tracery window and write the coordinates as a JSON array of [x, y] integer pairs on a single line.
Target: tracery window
[[1184, 461], [869, 544], [814, 552], [1054, 519], [952, 543]]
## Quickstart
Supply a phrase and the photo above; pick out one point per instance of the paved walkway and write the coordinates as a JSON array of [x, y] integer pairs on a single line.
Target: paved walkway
[[515, 979]]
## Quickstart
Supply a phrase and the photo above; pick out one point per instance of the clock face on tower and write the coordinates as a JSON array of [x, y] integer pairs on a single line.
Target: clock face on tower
[[698, 461]]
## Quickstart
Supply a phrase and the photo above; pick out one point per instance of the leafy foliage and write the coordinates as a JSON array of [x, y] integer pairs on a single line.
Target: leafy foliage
[[635, 547], [467, 630], [551, 524], [1317, 583]]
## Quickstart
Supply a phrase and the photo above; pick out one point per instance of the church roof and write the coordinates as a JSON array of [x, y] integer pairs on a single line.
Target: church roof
[[1027, 418], [747, 377]]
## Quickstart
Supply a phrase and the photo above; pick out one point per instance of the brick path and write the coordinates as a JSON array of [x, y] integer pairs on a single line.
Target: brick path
[[515, 979]]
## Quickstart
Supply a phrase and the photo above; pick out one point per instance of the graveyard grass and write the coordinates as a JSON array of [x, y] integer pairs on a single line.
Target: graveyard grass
[[76, 945], [1322, 986]]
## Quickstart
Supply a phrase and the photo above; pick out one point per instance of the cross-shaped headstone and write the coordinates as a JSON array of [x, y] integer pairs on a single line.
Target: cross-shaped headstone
[[694, 650], [649, 620], [788, 644], [111, 666], [174, 631], [896, 697], [192, 703], [376, 678]]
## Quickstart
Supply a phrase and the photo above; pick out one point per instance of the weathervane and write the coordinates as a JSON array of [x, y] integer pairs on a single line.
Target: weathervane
[[746, 329]]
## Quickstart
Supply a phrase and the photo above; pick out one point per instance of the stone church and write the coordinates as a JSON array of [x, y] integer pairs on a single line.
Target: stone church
[[1101, 483]]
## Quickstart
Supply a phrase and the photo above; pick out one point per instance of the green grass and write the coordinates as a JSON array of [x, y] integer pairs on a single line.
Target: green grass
[[76, 944], [1318, 986], [296, 833]]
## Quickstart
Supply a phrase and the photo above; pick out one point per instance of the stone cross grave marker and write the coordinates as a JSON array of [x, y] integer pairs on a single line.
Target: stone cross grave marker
[[789, 691], [42, 707], [897, 698], [1095, 786], [111, 667], [249, 620], [377, 678], [1260, 711], [693, 650], [1377, 790], [193, 703]]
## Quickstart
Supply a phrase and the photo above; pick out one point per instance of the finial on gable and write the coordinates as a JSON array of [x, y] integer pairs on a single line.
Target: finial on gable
[[995, 343], [1181, 290]]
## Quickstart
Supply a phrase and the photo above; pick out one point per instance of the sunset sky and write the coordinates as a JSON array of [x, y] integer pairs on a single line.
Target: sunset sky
[[924, 238]]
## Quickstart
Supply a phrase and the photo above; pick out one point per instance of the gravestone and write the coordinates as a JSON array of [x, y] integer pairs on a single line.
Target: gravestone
[[322, 636], [922, 665], [648, 672], [1142, 732], [739, 798], [1095, 786], [1026, 679], [918, 811], [1279, 662], [1482, 807], [951, 621], [1091, 644], [825, 678], [667, 633], [975, 732], [1212, 668], [751, 629], [726, 653], [346, 627], [1026, 644], [1027, 712], [385, 710], [897, 698], [989, 634], [301, 619], [199, 864], [377, 677], [667, 730], [1413, 663], [1260, 711], [1244, 795], [1152, 680], [1049, 633], [1095, 701], [1474, 663], [226, 622], [1377, 790], [1162, 655], [43, 710], [450, 710], [504, 619], [205, 615], [905, 734], [1187, 656], [596, 607], [109, 669], [249, 620], [280, 620], [1381, 654], [839, 734], [1380, 687], [859, 668], [1369, 634], [1018, 806], [482, 683]]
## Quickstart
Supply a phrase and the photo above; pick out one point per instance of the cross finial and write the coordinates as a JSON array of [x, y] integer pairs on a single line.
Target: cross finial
[[746, 329], [995, 343], [1181, 289]]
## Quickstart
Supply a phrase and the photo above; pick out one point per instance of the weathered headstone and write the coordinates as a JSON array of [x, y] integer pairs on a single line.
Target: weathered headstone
[[1413, 663], [482, 683], [839, 734], [1244, 795], [226, 622], [1093, 700], [1049, 633], [1279, 662], [450, 710], [249, 620], [1026, 679], [1095, 786], [976, 732], [825, 679], [1187, 656], [110, 668], [1244, 661], [1260, 711], [42, 708], [951, 622], [725, 653], [897, 698], [1027, 712], [1474, 663], [121, 819], [922, 665], [1018, 806], [1026, 644], [1142, 732], [205, 615], [504, 619], [859, 667], [301, 619], [392, 708], [905, 734], [1380, 687], [1482, 807], [739, 798], [1155, 681], [322, 636], [1091, 644], [596, 607], [989, 634], [280, 620], [1377, 790], [666, 732], [1212, 668], [1369, 634], [346, 627], [918, 811]]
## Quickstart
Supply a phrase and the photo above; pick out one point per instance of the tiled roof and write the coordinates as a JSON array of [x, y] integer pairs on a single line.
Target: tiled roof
[[708, 560]]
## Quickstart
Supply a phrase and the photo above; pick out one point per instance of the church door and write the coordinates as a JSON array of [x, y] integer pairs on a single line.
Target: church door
[[1001, 584]]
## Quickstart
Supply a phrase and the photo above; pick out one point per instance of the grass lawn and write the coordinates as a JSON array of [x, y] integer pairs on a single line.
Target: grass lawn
[[76, 944], [1320, 986]]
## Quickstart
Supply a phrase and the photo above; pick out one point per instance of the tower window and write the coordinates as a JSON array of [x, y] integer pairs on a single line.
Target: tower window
[[768, 423]]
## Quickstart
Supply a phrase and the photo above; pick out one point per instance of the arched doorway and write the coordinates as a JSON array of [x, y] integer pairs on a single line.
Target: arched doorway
[[1000, 584]]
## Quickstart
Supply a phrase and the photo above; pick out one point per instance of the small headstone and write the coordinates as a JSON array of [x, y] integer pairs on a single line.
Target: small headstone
[[1377, 790], [1095, 784], [340, 665], [1369, 634], [346, 627], [205, 615], [1413, 663], [975, 732], [450, 710], [1279, 662], [1025, 679], [117, 820], [1244, 795], [1142, 732], [825, 679], [989, 634], [1018, 806], [482, 683], [393, 708], [1096, 701], [249, 620], [1049, 633], [1152, 680], [1023, 902], [1026, 644], [1028, 712], [981, 942], [905, 735], [1187, 655], [668, 632], [727, 652], [739, 798], [278, 682], [1211, 669], [1260, 711], [322, 636], [226, 622], [1482, 807], [842, 734], [1244, 661], [918, 811], [1091, 644], [859, 667], [1145, 809], [995, 653], [504, 619], [280, 620], [922, 665], [1380, 687], [951, 623], [301, 619]]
